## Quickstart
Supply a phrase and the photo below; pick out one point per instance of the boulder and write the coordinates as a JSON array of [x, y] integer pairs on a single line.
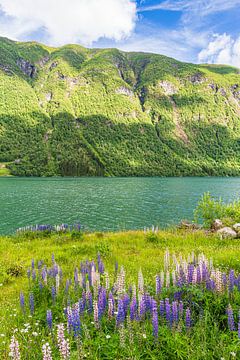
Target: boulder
[[227, 232], [185, 224], [236, 227], [216, 225]]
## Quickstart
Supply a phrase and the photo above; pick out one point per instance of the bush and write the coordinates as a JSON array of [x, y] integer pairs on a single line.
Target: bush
[[152, 238], [209, 209]]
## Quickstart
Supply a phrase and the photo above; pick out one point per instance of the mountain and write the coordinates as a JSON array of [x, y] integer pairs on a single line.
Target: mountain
[[77, 111]]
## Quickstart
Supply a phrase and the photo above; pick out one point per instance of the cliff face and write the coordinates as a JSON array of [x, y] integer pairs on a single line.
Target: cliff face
[[75, 111]]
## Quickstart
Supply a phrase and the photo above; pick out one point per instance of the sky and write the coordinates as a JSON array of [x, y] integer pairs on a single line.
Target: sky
[[199, 31]]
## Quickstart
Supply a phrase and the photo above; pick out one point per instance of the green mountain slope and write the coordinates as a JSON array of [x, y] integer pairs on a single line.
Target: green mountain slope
[[76, 111]]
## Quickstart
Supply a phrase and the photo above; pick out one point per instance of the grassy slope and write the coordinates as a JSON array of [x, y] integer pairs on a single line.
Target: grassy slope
[[106, 112]]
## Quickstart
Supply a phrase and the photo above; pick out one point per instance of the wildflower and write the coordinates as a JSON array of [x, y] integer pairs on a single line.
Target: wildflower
[[121, 313], [22, 301], [233, 354], [231, 324], [76, 324], [46, 352], [63, 344], [53, 291], [158, 285], [108, 336], [35, 333], [96, 315], [144, 336], [49, 319], [14, 349], [122, 335], [155, 319], [31, 303], [110, 307], [140, 281], [188, 318]]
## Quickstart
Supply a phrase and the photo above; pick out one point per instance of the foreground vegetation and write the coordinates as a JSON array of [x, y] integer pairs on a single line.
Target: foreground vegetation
[[77, 111], [116, 307]]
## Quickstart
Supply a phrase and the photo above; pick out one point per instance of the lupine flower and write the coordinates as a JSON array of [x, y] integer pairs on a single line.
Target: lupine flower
[[120, 313], [231, 279], [53, 291], [133, 308], [95, 313], [188, 318], [76, 324], [14, 349], [63, 344], [175, 312], [162, 308], [140, 281], [122, 335], [155, 319], [231, 324], [31, 303], [49, 319], [168, 311], [22, 302], [46, 352]]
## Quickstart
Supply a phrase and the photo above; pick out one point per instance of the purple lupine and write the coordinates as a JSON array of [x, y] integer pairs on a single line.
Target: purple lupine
[[22, 302], [158, 285], [198, 275], [224, 280], [116, 267], [31, 303], [120, 313], [76, 277], [126, 301], [231, 279], [101, 267], [231, 323], [90, 301], [162, 308], [28, 273], [49, 319], [81, 306], [155, 319], [190, 271], [33, 264], [142, 307], [76, 324], [168, 312], [175, 312], [33, 275], [133, 309], [180, 309], [53, 292], [188, 319], [239, 329], [53, 259], [67, 286]]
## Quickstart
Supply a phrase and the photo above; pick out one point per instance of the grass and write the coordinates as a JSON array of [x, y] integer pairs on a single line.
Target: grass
[[133, 250], [4, 171]]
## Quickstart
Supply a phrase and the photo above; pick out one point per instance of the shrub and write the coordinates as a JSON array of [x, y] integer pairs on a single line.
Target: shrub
[[151, 237], [209, 209]]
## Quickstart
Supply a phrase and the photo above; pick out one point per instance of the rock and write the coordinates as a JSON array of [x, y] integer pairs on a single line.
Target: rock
[[217, 224], [168, 87], [222, 91], [26, 67], [227, 232], [53, 65], [124, 91], [196, 78], [236, 227], [185, 224]]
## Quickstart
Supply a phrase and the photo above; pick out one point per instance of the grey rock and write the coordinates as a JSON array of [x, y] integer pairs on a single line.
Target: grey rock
[[124, 91], [168, 87], [236, 227], [217, 224], [26, 67], [227, 232]]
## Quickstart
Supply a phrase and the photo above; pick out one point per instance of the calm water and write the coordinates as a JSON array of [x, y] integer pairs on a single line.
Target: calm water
[[105, 203]]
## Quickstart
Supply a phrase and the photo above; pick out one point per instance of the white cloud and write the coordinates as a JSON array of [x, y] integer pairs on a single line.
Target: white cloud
[[223, 49], [68, 21]]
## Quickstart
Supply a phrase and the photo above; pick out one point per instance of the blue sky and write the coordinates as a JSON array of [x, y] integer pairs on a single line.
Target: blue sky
[[189, 30]]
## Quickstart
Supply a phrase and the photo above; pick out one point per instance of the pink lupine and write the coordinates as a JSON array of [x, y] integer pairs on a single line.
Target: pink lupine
[[14, 349], [63, 344], [46, 352]]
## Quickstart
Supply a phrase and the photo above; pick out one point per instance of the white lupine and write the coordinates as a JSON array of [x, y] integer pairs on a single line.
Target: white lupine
[[173, 277], [14, 349], [140, 281], [167, 279], [57, 282], [46, 352], [166, 260], [194, 278], [162, 277], [107, 281]]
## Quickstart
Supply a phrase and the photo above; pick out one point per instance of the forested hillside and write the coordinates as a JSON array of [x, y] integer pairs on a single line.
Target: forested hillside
[[77, 111]]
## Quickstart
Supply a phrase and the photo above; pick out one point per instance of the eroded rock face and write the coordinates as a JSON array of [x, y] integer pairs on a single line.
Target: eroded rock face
[[124, 91], [6, 69], [53, 65], [227, 232], [43, 61], [26, 67], [196, 79], [168, 87], [48, 96]]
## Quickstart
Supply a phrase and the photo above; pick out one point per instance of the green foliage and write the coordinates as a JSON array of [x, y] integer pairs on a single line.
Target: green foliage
[[209, 209], [103, 112]]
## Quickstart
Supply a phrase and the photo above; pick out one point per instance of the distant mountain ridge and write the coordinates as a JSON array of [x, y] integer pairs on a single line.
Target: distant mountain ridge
[[103, 112]]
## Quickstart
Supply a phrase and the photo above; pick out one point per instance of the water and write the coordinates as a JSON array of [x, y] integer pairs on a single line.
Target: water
[[106, 203]]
